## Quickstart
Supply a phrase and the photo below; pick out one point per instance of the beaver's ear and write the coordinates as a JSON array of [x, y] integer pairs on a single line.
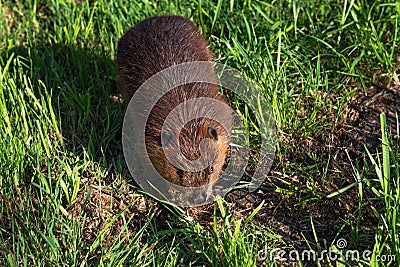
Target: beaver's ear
[[212, 133], [167, 138]]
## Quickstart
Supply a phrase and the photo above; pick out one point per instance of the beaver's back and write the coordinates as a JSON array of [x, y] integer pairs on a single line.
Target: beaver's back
[[156, 44]]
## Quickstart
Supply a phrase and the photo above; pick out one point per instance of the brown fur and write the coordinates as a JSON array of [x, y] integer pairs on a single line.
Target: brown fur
[[151, 46]]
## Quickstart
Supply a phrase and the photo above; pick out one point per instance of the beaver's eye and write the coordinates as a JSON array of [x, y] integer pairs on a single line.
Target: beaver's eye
[[213, 133], [211, 169], [180, 173]]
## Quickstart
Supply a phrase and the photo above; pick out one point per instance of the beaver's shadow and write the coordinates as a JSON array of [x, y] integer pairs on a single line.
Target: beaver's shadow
[[84, 97]]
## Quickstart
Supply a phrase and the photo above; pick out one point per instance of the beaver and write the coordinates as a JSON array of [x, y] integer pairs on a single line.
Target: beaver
[[151, 46]]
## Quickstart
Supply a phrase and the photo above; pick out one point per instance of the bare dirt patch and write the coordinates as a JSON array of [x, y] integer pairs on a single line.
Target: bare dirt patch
[[340, 149], [104, 202]]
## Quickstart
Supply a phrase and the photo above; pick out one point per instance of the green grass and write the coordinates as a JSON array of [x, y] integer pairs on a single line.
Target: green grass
[[66, 197], [386, 188]]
